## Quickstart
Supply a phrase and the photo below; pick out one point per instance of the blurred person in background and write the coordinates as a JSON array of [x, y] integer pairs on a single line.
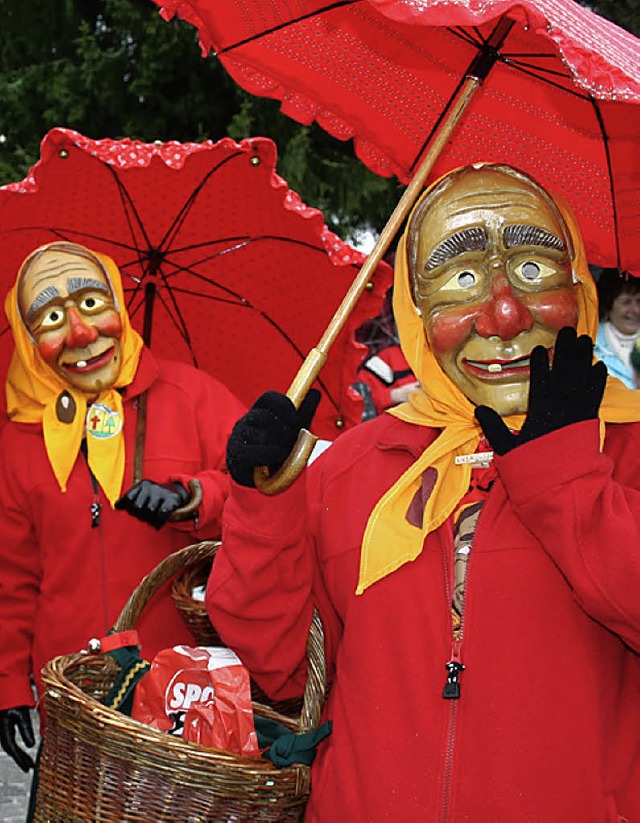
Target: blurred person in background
[[384, 378], [619, 313]]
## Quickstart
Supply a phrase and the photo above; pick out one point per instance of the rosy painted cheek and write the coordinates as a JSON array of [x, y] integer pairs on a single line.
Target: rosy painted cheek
[[50, 348], [554, 309], [449, 329], [109, 325]]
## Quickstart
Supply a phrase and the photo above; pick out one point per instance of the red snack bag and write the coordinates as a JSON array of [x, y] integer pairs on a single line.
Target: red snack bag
[[201, 693]]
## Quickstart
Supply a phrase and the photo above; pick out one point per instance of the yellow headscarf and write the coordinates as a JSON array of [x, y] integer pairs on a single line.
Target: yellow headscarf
[[390, 540], [33, 391]]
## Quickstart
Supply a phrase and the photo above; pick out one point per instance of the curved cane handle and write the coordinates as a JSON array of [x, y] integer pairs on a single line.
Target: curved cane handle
[[187, 511], [290, 469]]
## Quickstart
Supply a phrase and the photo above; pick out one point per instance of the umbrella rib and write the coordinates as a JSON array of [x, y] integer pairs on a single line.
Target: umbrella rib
[[182, 214], [63, 234], [605, 141], [545, 76], [245, 241], [280, 26], [463, 34], [126, 200], [245, 304], [437, 123], [136, 261]]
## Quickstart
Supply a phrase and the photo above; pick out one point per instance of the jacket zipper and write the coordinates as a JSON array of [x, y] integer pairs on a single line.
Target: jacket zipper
[[96, 509], [451, 691], [96, 505]]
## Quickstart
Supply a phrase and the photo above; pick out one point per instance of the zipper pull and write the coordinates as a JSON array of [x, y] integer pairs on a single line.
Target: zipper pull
[[96, 508], [454, 668]]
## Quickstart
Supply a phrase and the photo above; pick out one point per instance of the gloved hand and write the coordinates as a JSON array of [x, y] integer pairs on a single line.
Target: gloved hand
[[17, 718], [267, 433], [568, 391], [153, 503]]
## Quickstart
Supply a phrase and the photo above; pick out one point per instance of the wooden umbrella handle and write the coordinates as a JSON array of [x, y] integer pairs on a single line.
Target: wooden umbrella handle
[[189, 510]]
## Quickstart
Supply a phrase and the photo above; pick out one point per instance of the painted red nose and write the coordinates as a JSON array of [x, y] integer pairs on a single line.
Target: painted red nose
[[503, 315], [79, 333]]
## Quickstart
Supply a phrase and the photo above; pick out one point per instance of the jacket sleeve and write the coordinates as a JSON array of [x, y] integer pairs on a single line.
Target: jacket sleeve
[[19, 590], [215, 411], [583, 505], [265, 584]]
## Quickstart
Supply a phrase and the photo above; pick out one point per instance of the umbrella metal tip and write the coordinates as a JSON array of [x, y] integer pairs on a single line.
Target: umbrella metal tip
[[255, 160], [63, 153]]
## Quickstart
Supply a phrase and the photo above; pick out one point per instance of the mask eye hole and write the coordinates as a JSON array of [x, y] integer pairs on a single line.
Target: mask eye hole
[[530, 271], [466, 279], [91, 303], [52, 319]]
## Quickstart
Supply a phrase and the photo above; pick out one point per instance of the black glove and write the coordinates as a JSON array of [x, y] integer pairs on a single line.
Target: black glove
[[568, 391], [153, 503], [267, 433], [17, 718]]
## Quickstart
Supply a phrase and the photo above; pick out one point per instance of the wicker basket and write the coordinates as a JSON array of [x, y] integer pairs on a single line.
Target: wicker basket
[[99, 765], [193, 611], [195, 616]]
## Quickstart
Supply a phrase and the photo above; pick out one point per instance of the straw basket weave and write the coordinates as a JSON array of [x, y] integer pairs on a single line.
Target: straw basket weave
[[193, 611], [100, 765]]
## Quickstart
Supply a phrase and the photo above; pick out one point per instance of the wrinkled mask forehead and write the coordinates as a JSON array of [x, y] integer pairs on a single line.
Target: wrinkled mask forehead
[[488, 196], [55, 271]]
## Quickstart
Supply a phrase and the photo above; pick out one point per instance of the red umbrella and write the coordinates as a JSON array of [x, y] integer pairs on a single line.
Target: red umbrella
[[223, 265], [559, 97]]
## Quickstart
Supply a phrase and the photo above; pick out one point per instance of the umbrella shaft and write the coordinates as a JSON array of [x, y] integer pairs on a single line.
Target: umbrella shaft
[[315, 360]]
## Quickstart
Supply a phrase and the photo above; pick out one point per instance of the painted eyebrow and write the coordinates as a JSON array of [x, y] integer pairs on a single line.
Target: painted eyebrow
[[75, 284], [46, 296], [472, 239], [523, 235]]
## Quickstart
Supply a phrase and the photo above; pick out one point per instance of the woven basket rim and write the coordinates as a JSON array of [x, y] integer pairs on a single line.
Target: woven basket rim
[[60, 686], [315, 687]]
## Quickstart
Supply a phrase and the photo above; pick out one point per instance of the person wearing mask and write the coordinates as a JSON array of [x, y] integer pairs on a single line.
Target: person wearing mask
[[76, 533], [619, 309], [474, 553]]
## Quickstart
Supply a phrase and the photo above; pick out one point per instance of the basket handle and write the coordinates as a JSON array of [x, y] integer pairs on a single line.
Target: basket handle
[[315, 687]]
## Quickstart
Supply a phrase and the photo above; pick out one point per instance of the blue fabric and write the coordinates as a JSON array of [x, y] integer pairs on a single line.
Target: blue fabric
[[615, 366]]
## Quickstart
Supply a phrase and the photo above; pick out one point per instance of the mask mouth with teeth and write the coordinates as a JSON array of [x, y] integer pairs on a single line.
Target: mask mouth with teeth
[[67, 305], [490, 262]]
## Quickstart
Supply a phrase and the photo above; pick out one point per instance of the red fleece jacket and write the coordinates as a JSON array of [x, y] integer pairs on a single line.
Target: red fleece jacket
[[547, 727]]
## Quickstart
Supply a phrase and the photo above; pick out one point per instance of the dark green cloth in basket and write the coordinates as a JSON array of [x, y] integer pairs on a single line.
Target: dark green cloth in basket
[[287, 747]]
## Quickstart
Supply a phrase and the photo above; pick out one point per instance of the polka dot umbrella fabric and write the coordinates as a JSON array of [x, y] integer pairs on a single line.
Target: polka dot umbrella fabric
[[561, 100]]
